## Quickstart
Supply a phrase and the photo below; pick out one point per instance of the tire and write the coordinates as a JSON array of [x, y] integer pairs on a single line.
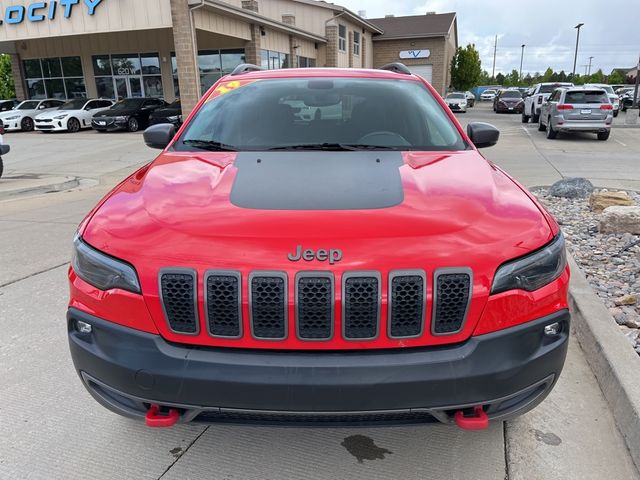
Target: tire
[[615, 113], [541, 127], [525, 118], [26, 125], [551, 133], [1, 166], [133, 125], [535, 117], [73, 125], [603, 136]]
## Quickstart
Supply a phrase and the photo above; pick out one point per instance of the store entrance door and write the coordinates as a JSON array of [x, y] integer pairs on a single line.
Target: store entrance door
[[127, 87]]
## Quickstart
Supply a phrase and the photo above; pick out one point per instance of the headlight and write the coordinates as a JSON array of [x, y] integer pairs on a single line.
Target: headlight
[[174, 118], [15, 117], [60, 117], [534, 270], [122, 118], [101, 270]]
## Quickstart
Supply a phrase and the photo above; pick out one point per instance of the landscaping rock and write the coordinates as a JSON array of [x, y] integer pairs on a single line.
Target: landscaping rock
[[626, 300], [620, 220], [575, 187], [604, 199]]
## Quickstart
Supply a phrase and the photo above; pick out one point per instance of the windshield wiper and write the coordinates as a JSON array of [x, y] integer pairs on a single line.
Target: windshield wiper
[[332, 146], [210, 145]]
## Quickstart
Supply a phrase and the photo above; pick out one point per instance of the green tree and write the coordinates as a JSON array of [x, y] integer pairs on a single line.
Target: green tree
[[513, 79], [7, 88], [484, 78], [548, 75], [615, 78], [466, 68], [597, 77], [500, 79]]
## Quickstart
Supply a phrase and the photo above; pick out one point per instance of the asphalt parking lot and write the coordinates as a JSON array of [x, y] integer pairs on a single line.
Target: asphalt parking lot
[[52, 429]]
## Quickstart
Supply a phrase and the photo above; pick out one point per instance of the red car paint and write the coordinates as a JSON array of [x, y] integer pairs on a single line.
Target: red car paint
[[459, 210]]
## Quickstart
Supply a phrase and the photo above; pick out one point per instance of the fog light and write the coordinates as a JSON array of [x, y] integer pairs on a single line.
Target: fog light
[[552, 329], [83, 327]]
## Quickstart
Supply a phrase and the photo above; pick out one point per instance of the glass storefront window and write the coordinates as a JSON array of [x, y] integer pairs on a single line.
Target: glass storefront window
[[75, 87], [230, 59], [150, 64], [264, 59], [152, 85], [71, 66], [51, 68], [104, 86], [270, 60], [36, 89], [101, 65], [126, 64], [55, 88], [32, 69]]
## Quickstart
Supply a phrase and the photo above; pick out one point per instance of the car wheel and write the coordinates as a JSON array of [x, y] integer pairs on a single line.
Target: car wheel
[[73, 125], [1, 166], [535, 117], [541, 126], [525, 118], [615, 113], [26, 125], [133, 125], [603, 136], [551, 133]]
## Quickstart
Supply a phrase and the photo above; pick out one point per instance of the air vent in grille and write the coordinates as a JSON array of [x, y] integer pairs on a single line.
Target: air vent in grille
[[360, 305], [314, 305], [452, 297], [222, 303], [268, 305], [178, 297], [406, 304]]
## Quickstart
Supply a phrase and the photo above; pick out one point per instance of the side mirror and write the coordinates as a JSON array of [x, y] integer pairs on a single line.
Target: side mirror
[[4, 149], [483, 134], [159, 136]]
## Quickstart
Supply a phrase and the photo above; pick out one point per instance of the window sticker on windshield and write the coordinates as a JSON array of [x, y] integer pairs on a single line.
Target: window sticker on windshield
[[227, 87]]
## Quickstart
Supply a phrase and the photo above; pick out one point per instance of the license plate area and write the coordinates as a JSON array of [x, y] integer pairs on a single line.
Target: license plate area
[[585, 111]]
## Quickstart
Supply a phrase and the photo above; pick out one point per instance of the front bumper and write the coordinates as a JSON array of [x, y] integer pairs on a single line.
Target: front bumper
[[12, 125], [53, 126], [109, 125], [510, 108], [507, 372]]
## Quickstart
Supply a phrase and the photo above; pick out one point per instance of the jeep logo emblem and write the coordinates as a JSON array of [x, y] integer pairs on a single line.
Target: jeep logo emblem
[[333, 255]]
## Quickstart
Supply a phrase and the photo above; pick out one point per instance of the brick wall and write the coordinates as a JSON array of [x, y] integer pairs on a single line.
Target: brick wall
[[332, 46], [387, 51], [250, 5], [252, 47], [185, 48], [350, 48], [18, 77]]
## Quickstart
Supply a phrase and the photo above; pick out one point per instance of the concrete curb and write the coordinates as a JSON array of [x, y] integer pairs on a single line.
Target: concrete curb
[[612, 359], [72, 182]]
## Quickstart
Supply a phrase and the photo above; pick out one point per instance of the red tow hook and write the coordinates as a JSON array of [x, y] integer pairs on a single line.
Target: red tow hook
[[155, 420], [479, 420]]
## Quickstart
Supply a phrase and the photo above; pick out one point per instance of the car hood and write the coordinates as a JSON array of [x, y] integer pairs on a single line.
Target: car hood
[[455, 100], [248, 210], [56, 113], [116, 113]]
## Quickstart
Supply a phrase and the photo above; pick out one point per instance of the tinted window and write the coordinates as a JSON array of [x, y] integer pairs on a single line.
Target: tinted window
[[128, 103], [28, 105], [511, 94], [456, 95], [398, 114], [71, 66], [74, 105], [595, 96]]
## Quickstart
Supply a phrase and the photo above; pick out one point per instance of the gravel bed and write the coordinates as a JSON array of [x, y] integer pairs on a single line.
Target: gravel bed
[[611, 262]]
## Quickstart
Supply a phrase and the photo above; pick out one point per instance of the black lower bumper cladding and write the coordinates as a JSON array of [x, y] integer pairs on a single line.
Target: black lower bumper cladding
[[507, 372]]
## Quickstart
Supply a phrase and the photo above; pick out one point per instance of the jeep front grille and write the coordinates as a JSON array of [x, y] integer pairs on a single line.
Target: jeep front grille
[[452, 298], [268, 305], [179, 299], [406, 304], [314, 305], [222, 303], [361, 305]]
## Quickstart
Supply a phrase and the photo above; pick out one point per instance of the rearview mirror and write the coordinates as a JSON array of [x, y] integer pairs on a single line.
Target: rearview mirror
[[159, 136], [483, 134]]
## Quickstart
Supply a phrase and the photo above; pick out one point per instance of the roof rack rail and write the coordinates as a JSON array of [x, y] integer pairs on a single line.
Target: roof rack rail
[[396, 67], [244, 68]]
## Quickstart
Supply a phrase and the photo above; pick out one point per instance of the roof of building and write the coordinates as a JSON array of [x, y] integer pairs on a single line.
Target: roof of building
[[415, 26]]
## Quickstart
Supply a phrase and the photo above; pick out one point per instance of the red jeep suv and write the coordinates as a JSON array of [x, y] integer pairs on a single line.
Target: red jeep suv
[[319, 247]]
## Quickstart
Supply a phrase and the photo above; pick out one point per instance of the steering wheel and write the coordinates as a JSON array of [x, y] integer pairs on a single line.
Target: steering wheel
[[383, 138]]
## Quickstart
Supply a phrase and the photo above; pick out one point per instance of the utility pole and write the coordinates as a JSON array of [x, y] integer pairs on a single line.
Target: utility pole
[[590, 58], [575, 58], [495, 47], [521, 58]]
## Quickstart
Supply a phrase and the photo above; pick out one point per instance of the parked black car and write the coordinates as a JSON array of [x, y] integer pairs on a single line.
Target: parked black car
[[509, 101], [130, 114], [4, 149], [171, 114], [626, 101], [8, 105]]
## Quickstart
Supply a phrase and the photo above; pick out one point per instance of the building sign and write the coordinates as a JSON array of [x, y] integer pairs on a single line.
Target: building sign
[[414, 54], [38, 11]]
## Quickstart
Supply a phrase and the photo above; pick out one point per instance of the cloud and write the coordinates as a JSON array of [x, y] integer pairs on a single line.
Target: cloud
[[546, 27]]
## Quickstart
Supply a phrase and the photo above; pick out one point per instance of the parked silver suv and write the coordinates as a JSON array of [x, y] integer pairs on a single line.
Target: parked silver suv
[[577, 109]]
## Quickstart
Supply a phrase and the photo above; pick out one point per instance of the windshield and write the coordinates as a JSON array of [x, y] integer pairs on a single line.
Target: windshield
[[77, 104], [511, 94], [128, 103], [456, 95], [489, 91], [321, 113], [30, 105]]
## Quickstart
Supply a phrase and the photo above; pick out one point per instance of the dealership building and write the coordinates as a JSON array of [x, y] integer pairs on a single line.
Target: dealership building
[[169, 48]]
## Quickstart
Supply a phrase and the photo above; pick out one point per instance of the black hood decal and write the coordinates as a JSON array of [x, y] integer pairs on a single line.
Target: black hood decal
[[318, 180]]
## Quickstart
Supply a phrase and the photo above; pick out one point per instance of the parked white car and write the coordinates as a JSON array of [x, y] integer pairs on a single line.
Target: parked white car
[[72, 116], [488, 95], [21, 117], [536, 96], [615, 100], [457, 101]]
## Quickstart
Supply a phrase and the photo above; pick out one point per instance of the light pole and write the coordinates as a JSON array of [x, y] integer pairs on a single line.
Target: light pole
[[521, 58], [575, 58]]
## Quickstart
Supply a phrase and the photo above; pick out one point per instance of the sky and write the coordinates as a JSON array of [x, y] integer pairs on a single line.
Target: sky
[[546, 27]]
